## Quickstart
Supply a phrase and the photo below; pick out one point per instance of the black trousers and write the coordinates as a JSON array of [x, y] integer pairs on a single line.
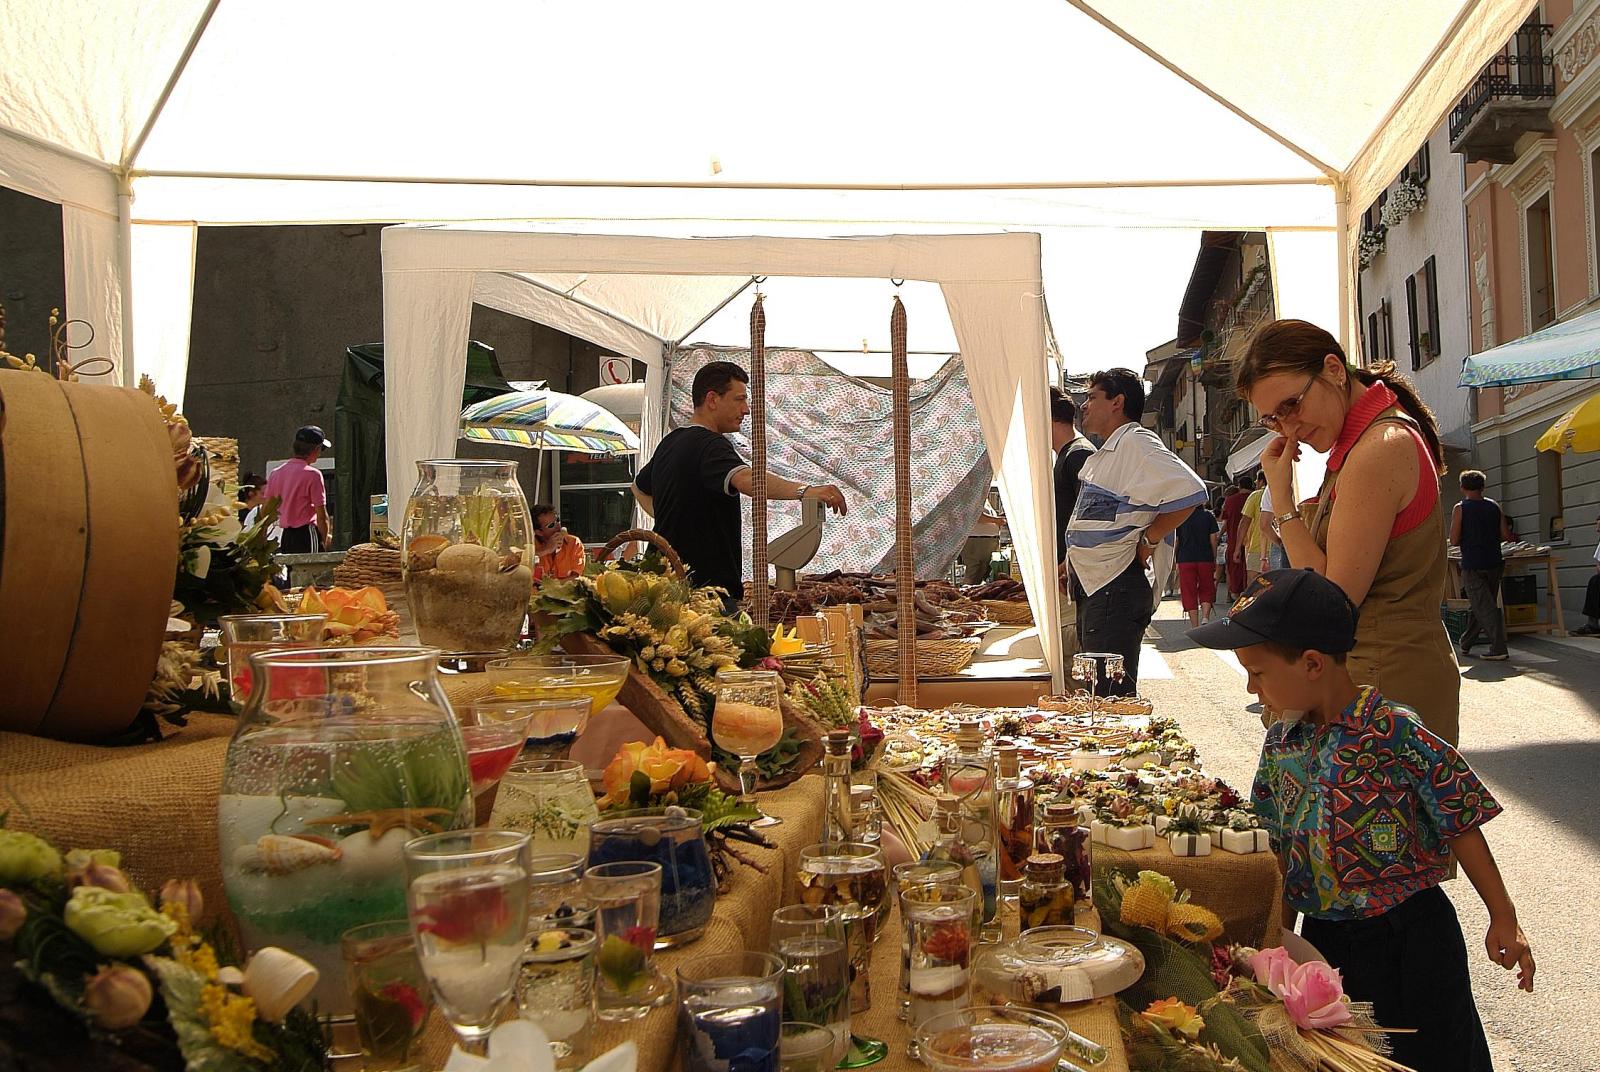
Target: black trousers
[[300, 540], [1114, 619], [1591, 597], [1411, 963]]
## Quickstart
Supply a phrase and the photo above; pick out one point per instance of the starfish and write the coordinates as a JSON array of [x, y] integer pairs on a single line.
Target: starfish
[[380, 822]]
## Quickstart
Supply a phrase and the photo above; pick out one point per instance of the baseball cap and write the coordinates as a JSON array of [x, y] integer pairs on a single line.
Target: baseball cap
[[311, 434], [1300, 608]]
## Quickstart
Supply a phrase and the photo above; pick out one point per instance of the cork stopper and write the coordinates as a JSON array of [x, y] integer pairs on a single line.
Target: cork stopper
[[838, 743], [1061, 812], [969, 734], [945, 804], [1010, 764], [1045, 864]]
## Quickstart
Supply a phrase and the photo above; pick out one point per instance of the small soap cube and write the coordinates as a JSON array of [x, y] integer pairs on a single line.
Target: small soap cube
[[1190, 844]]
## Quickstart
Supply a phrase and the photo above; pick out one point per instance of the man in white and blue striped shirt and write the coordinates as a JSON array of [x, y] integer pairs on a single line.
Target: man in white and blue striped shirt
[[1133, 494]]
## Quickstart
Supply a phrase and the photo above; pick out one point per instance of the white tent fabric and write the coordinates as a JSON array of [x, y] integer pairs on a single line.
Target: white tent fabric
[[991, 285], [1040, 114]]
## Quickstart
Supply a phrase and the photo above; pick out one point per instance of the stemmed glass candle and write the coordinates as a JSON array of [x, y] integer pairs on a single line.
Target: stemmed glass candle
[[627, 903], [938, 919], [245, 634], [992, 1038], [389, 992], [747, 720], [730, 1009], [494, 734], [816, 982], [554, 725], [850, 877], [467, 897], [804, 1047], [549, 800], [906, 876], [556, 990], [560, 676]]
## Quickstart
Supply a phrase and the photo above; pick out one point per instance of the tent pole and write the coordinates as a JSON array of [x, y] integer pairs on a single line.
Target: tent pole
[[905, 573], [758, 459], [130, 373], [538, 470], [1341, 215]]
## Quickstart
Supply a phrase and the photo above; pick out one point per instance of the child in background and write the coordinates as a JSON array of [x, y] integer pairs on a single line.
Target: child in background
[[1364, 807]]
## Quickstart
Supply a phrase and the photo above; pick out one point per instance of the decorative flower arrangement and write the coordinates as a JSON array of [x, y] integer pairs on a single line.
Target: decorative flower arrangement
[[141, 977], [1371, 244], [675, 634], [1407, 198], [355, 615]]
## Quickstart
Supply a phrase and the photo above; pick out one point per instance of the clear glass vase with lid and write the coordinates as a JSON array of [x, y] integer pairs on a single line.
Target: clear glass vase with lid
[[468, 554], [341, 756]]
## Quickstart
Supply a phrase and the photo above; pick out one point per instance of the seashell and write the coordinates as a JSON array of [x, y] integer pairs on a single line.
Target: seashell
[[468, 557], [511, 561], [284, 854], [423, 551], [277, 980]]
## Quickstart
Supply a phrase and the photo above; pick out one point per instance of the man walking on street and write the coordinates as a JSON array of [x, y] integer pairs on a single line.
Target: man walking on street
[[1197, 564], [1477, 527], [1133, 494], [692, 483], [1251, 543], [1072, 450]]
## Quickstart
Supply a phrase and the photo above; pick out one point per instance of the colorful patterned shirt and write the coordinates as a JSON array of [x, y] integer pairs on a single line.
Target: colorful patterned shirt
[[1360, 810]]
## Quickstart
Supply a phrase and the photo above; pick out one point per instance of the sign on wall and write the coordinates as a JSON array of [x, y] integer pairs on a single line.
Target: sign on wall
[[615, 369]]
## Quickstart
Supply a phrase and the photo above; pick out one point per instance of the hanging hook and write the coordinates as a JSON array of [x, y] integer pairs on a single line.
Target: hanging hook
[[898, 283], [758, 280]]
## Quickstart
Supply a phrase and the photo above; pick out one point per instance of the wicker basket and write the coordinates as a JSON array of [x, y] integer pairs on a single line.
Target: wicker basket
[[935, 658], [1007, 611], [367, 563], [655, 540]]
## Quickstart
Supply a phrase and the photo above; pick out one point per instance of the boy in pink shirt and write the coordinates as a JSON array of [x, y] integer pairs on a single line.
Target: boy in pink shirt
[[302, 497]]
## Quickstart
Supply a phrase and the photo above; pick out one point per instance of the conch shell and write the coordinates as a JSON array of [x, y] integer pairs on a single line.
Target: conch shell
[[284, 854], [277, 980], [422, 553]]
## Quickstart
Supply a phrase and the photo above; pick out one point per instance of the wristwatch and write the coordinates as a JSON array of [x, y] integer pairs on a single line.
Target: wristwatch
[[803, 489], [1144, 538], [1280, 520]]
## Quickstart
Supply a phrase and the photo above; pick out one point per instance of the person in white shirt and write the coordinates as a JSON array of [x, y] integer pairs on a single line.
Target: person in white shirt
[[1133, 494]]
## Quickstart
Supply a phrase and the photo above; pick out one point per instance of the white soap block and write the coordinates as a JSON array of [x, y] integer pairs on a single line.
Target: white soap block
[[1091, 761], [1244, 841], [1085, 814], [1190, 844], [1126, 838], [1149, 835], [1161, 823], [1097, 831]]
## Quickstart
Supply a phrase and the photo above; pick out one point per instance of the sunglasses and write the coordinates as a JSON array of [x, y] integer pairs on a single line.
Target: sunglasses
[[1288, 407], [553, 523]]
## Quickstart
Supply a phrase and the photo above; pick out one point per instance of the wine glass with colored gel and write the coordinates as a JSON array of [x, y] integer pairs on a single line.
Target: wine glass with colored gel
[[494, 734], [747, 720], [467, 897]]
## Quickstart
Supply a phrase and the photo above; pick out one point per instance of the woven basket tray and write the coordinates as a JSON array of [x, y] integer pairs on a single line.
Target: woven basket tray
[[935, 658], [367, 563], [1006, 611]]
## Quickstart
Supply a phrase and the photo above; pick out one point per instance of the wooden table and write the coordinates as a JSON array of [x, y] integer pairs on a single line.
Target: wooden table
[[1555, 622]]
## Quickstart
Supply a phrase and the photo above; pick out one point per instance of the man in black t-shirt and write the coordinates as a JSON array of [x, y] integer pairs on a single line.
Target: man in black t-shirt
[[1478, 527], [692, 483]]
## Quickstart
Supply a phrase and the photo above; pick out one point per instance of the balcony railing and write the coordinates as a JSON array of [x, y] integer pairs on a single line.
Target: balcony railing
[[1523, 70]]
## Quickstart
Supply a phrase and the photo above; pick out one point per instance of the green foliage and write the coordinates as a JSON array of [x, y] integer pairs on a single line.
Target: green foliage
[[777, 760], [235, 571], [425, 773]]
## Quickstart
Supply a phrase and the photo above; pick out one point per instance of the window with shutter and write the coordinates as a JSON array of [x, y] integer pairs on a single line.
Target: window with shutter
[[1372, 338], [1411, 319], [1431, 273]]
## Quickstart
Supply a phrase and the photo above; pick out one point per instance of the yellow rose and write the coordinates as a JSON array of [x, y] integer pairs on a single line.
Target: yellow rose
[[1175, 1016], [116, 924]]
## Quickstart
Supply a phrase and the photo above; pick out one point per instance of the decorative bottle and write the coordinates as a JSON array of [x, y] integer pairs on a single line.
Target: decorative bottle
[[1014, 817], [1046, 898], [969, 776], [945, 841], [837, 819], [1061, 833]]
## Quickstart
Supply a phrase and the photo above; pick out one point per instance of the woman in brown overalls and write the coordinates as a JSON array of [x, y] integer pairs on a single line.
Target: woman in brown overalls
[[1377, 526]]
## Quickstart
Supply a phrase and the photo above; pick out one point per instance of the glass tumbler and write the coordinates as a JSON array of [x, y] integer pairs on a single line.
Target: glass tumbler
[[627, 902], [804, 1047], [940, 935], [816, 984], [556, 896], [556, 990], [389, 993], [245, 634], [671, 837], [729, 1011]]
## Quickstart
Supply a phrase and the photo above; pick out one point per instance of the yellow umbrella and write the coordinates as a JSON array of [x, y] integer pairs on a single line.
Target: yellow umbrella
[[1578, 429]]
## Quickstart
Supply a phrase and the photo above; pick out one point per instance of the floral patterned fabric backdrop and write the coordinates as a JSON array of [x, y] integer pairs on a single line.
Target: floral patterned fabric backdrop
[[824, 427]]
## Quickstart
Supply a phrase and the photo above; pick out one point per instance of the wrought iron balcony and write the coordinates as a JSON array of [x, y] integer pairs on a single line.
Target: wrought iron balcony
[[1510, 98]]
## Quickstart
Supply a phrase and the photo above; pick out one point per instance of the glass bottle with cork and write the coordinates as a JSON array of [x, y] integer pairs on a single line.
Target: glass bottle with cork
[[1013, 817], [1062, 833], [969, 776], [837, 816], [1046, 898]]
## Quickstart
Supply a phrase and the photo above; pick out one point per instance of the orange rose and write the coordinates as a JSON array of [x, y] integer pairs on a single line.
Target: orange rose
[[1175, 1016], [668, 769]]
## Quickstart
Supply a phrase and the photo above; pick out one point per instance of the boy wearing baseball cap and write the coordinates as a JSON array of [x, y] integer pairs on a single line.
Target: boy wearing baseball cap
[[1364, 807]]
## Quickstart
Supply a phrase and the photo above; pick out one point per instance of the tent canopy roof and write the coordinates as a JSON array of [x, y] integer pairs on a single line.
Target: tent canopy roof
[[203, 93]]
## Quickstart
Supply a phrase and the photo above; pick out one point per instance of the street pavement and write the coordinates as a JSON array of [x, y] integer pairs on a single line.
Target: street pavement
[[1530, 727]]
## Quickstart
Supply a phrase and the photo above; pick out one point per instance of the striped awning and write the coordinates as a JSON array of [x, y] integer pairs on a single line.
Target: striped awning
[[549, 420], [1569, 350]]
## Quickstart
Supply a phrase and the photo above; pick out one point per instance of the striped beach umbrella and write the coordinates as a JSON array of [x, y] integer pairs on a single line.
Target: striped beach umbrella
[[548, 420]]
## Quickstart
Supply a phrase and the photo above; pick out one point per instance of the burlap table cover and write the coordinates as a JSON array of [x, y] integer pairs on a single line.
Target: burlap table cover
[[154, 803]]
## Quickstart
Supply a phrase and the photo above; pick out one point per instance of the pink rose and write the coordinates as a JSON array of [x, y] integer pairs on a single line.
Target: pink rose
[[1314, 996], [1273, 968]]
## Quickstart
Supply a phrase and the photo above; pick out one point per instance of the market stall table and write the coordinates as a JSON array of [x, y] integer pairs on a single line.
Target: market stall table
[[1008, 669], [1520, 565]]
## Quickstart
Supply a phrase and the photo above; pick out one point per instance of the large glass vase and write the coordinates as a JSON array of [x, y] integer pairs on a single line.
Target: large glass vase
[[468, 552], [341, 756]]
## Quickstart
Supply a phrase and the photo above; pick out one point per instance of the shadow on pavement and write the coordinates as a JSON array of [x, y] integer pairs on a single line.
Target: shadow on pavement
[[1553, 777]]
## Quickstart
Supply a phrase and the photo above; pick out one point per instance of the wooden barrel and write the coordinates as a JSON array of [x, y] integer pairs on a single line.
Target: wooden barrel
[[88, 553]]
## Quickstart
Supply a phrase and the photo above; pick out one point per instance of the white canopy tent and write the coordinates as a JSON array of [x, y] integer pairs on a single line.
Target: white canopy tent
[[643, 295], [146, 120]]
